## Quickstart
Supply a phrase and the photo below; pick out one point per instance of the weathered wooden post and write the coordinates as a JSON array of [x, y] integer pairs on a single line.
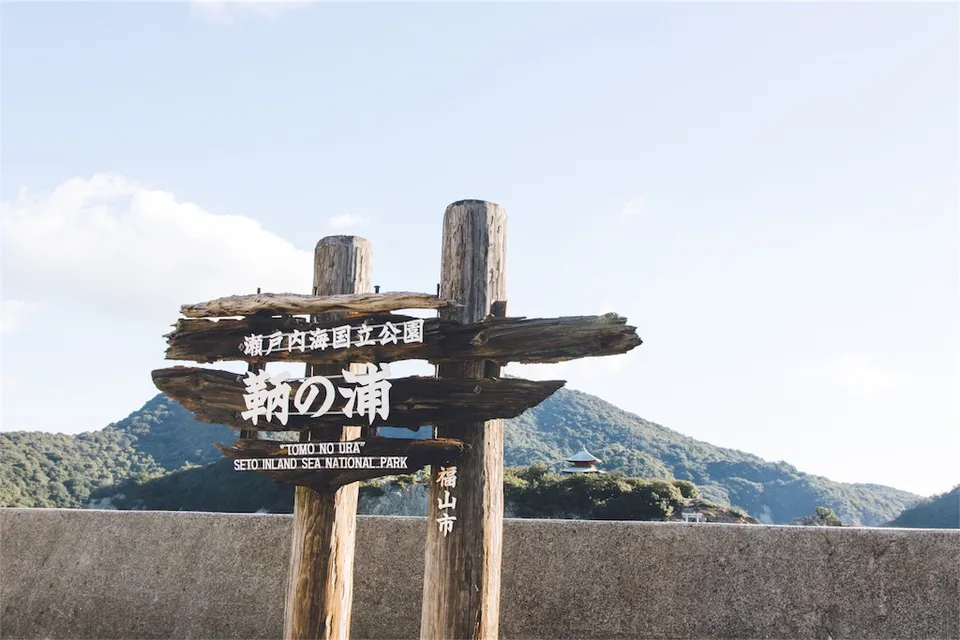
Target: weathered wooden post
[[320, 578], [461, 589]]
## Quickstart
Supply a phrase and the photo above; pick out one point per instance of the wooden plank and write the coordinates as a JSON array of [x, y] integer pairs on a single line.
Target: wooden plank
[[461, 588], [319, 598], [502, 340], [293, 304], [217, 397], [419, 453]]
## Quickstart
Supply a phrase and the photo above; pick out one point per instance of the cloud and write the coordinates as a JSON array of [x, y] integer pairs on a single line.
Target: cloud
[[345, 222], [121, 248], [855, 373], [633, 208], [227, 12], [14, 313]]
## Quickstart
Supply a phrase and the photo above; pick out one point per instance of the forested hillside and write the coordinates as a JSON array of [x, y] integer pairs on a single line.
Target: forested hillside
[[939, 512], [773, 492], [57, 470], [529, 492]]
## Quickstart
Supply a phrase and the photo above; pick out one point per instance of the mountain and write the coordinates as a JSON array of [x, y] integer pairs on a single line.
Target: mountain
[[56, 470], [772, 492], [939, 512]]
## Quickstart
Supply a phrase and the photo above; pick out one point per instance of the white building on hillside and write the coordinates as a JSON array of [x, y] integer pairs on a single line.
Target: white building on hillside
[[582, 462]]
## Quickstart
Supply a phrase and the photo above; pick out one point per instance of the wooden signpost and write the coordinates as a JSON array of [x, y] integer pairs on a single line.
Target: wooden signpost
[[348, 341]]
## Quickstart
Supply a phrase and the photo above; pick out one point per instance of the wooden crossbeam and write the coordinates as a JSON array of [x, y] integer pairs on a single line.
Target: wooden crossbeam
[[418, 454], [502, 340], [293, 303], [217, 397]]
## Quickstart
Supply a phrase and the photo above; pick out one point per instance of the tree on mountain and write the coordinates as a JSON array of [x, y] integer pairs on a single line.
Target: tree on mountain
[[687, 488], [822, 517], [827, 517]]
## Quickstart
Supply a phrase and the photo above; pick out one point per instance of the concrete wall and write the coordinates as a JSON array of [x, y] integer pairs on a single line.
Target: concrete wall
[[109, 574]]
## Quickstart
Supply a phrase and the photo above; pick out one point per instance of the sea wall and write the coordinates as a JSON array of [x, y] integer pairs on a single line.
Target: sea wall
[[110, 574]]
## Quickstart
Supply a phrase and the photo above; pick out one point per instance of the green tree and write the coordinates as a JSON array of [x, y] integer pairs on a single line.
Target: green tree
[[826, 517], [687, 489]]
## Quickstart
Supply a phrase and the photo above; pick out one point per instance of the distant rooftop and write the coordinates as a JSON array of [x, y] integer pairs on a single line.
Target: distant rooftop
[[583, 456]]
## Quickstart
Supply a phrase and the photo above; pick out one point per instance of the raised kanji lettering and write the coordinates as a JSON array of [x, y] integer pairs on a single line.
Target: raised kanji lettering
[[371, 396]]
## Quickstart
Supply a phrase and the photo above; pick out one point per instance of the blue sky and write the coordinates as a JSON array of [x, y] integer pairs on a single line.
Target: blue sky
[[767, 191]]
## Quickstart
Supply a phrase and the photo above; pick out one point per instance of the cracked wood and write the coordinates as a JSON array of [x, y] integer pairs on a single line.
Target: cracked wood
[[294, 303], [319, 597], [501, 340], [461, 585]]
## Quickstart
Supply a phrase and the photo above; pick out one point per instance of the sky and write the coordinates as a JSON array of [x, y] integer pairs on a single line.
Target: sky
[[768, 192]]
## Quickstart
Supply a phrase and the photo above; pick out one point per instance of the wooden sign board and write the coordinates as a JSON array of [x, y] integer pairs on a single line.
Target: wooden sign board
[[347, 342], [275, 402], [324, 466], [390, 337], [259, 401]]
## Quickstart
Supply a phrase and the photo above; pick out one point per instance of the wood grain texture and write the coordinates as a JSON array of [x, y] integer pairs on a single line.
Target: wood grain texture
[[419, 453], [293, 304], [461, 590], [502, 340], [217, 397], [319, 599]]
